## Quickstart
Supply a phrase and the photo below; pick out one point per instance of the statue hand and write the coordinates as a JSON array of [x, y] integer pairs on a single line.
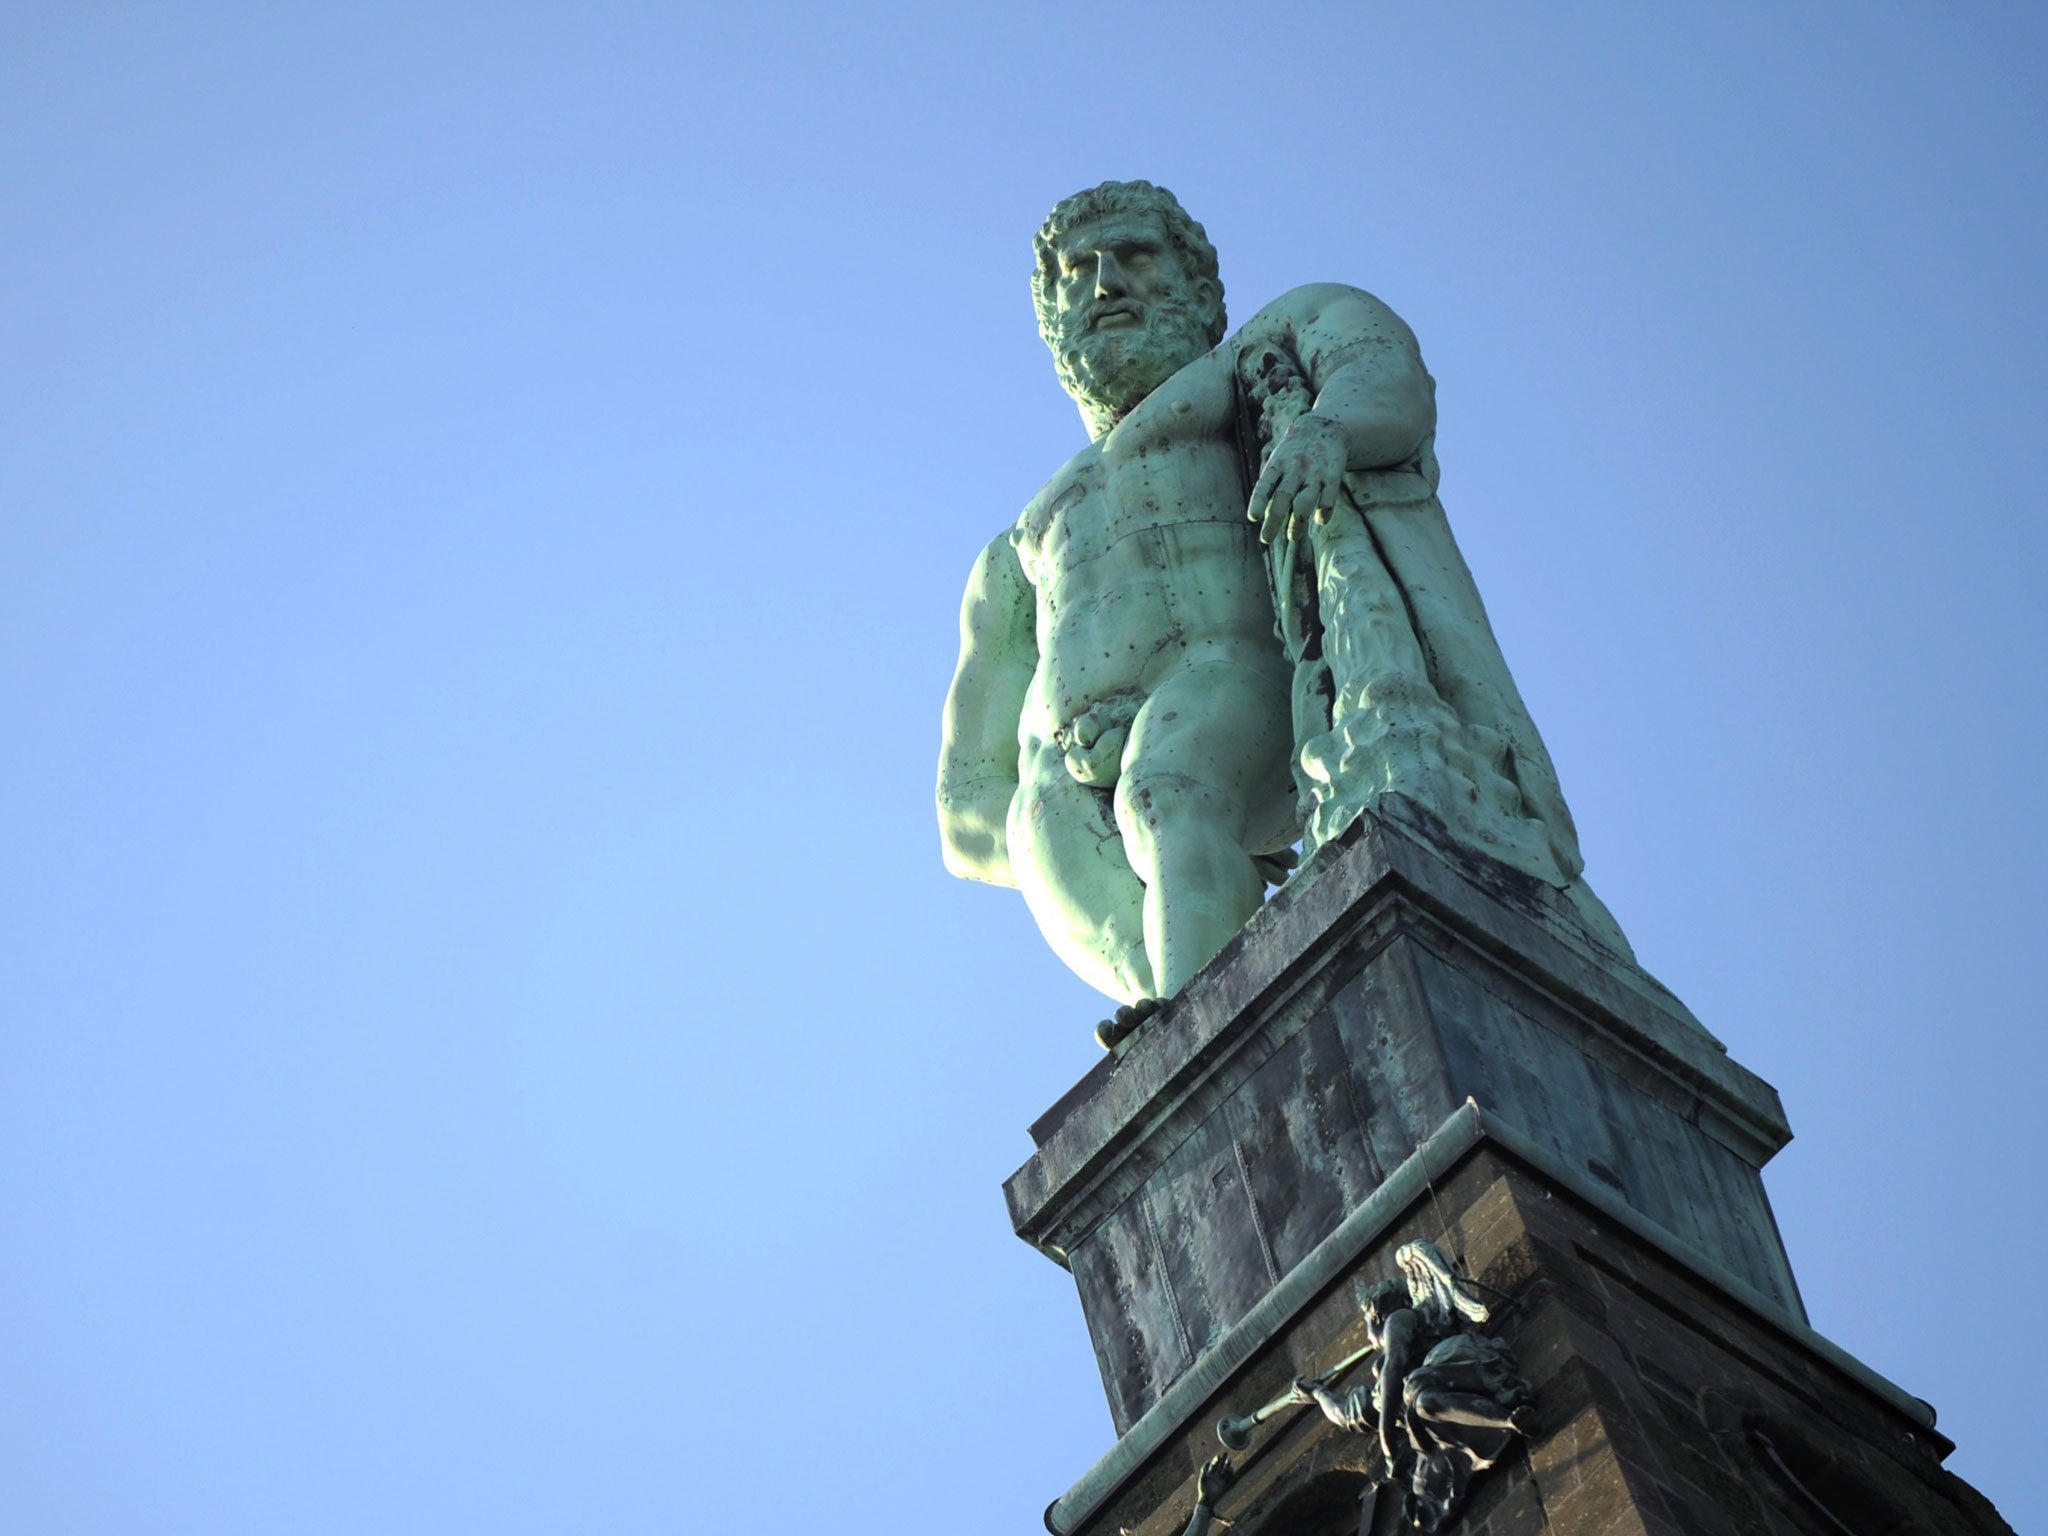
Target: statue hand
[[1214, 1480], [1304, 478]]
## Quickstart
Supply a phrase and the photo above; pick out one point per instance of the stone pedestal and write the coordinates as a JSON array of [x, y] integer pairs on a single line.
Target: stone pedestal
[[1413, 1042]]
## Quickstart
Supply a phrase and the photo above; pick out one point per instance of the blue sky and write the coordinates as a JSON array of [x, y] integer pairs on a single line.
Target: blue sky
[[484, 492]]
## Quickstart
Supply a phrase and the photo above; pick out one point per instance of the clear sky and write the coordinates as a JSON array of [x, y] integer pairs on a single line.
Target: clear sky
[[484, 492]]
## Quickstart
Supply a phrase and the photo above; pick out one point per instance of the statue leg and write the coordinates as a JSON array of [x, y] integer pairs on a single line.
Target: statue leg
[[1069, 860], [1467, 1408], [1205, 781]]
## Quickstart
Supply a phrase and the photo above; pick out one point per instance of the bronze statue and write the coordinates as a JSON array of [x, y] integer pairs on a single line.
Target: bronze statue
[[1444, 1401], [1229, 624]]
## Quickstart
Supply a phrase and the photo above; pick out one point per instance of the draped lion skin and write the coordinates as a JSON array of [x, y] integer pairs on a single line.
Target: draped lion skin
[[1135, 737]]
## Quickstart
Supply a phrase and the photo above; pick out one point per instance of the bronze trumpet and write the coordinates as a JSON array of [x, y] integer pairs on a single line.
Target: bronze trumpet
[[1235, 1429]]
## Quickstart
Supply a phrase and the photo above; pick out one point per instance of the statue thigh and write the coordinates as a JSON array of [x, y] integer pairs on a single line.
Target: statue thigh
[[1210, 751], [1068, 858]]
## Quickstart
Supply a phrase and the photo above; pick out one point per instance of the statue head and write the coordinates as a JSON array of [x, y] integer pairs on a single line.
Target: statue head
[[1382, 1302], [1127, 293]]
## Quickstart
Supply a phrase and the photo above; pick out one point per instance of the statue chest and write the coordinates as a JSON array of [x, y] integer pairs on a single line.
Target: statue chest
[[1172, 461]]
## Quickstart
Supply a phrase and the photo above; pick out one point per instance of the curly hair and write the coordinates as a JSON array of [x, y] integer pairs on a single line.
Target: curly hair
[[1188, 239], [1385, 1299]]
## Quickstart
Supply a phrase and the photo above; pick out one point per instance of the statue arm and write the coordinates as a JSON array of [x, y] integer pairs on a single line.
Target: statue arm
[[978, 753], [1374, 402], [1406, 1345], [1366, 370]]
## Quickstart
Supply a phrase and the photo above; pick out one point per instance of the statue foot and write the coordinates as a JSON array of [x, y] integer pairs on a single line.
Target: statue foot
[[1523, 1421], [1113, 1031]]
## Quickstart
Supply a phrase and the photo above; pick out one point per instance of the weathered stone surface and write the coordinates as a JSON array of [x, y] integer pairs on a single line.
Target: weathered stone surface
[[1397, 977], [1667, 1404]]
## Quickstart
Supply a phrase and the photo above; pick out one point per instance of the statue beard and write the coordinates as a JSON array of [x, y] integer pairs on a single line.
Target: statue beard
[[1109, 372]]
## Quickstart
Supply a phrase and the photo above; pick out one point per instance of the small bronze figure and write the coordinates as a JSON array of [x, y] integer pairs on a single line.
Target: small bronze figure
[[1444, 1401]]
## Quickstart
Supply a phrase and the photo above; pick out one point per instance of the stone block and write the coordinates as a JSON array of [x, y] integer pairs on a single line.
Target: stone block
[[1669, 1403], [1394, 979]]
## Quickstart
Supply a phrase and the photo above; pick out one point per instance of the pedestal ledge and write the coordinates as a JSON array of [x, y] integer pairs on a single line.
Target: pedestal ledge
[[1395, 977]]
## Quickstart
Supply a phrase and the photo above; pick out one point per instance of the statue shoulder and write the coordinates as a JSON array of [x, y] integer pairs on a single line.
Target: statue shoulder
[[1084, 459], [1322, 322], [1035, 523], [997, 580]]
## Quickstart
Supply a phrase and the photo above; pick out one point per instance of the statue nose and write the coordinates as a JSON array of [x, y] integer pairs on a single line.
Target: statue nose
[[1109, 277]]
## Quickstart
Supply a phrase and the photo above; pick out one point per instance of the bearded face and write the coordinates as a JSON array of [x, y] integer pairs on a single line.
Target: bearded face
[[1127, 314], [1114, 367]]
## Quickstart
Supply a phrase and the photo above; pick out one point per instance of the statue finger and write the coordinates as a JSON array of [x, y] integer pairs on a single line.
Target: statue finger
[[1275, 520], [1266, 509], [1336, 497], [1262, 493], [1306, 500], [1287, 497]]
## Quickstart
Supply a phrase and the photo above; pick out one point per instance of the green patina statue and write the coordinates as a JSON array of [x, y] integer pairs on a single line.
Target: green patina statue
[[1230, 623]]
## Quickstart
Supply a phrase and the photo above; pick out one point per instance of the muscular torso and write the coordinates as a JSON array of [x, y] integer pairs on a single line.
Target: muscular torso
[[1141, 555]]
